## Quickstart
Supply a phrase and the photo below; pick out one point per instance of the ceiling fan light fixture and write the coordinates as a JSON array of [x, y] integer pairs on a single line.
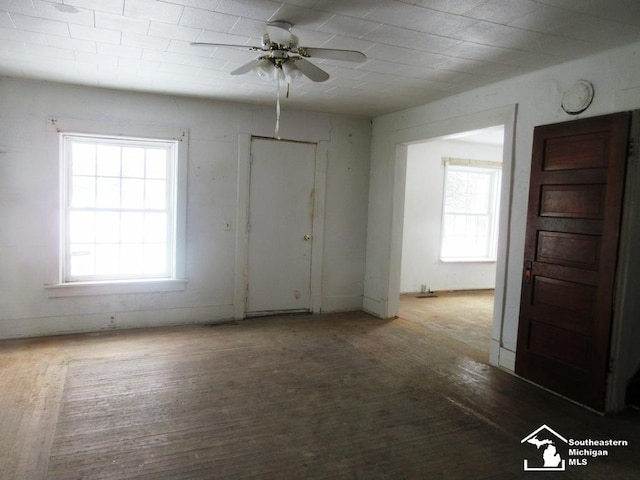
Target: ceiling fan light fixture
[[265, 69], [291, 72]]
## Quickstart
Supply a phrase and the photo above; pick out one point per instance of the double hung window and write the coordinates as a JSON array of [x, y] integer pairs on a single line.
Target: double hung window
[[470, 211], [119, 212]]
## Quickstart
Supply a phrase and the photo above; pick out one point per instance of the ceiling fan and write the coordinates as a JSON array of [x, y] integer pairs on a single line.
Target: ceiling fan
[[281, 56]]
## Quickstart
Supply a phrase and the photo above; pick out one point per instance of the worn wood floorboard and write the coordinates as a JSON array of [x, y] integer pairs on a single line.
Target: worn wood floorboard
[[311, 397], [462, 316]]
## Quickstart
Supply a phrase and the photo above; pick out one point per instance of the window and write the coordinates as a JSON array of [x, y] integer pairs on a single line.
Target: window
[[119, 217], [470, 211]]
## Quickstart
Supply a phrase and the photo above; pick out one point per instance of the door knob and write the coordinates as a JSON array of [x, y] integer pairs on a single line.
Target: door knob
[[307, 237]]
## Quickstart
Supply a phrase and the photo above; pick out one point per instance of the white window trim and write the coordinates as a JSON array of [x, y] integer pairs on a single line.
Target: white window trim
[[472, 164], [58, 287], [111, 287]]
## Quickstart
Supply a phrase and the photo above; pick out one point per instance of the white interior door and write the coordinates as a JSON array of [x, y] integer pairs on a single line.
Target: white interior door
[[281, 201]]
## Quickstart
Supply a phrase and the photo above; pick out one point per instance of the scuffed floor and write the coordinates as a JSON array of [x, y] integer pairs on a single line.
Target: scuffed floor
[[328, 396]]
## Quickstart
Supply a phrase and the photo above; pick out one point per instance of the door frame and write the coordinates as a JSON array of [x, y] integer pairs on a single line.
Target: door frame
[[498, 354], [624, 358], [242, 220]]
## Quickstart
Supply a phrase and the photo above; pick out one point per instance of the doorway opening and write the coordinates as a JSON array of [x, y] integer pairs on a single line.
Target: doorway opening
[[450, 231]]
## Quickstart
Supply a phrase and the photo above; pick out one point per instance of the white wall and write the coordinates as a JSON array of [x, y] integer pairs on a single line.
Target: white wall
[[616, 78], [29, 199], [424, 194]]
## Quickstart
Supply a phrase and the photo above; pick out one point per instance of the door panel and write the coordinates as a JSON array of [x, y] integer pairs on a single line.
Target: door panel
[[569, 249], [281, 204], [577, 151], [559, 344], [572, 201], [575, 203]]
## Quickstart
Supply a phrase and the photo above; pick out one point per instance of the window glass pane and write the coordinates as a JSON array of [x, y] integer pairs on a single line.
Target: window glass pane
[[455, 197], [83, 192], [156, 163], [459, 225], [131, 259], [83, 159], [108, 192], [457, 246], [107, 259], [132, 227], [478, 193], [82, 259], [471, 226], [107, 227], [82, 227], [133, 162], [483, 226], [155, 258], [448, 223], [155, 227], [155, 196], [108, 160], [132, 194]]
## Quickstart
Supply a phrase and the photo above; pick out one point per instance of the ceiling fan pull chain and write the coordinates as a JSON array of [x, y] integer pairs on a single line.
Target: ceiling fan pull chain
[[277, 133]]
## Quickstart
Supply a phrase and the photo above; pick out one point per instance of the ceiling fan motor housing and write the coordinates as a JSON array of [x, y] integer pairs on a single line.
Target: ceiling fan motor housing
[[279, 32]]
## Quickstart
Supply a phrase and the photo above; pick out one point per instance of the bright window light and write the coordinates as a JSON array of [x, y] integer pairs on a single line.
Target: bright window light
[[119, 208], [470, 213]]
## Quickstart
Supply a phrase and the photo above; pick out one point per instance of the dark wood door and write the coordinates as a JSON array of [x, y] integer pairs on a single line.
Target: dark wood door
[[571, 246]]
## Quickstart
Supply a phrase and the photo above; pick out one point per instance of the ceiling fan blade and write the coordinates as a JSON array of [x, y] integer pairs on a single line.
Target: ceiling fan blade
[[228, 45], [310, 70], [247, 67], [332, 54]]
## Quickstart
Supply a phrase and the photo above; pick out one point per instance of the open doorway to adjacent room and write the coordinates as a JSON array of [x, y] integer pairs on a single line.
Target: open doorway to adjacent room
[[450, 234]]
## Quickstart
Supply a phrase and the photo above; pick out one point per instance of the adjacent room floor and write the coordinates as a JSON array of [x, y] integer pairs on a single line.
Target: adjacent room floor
[[462, 316], [288, 397]]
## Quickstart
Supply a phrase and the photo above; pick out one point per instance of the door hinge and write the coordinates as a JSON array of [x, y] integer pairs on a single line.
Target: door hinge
[[632, 145]]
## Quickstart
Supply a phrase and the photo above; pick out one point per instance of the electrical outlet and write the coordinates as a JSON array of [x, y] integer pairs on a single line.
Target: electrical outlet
[[227, 225]]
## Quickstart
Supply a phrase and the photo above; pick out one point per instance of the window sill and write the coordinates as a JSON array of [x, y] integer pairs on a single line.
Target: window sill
[[79, 289]]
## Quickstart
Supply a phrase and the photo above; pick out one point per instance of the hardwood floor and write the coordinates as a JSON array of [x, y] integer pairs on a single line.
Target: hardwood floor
[[328, 396], [461, 316]]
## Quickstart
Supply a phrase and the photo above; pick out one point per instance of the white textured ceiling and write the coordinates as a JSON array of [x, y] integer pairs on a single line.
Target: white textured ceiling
[[417, 51]]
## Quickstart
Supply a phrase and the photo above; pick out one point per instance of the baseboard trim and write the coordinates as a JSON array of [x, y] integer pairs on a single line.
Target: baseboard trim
[[507, 359], [374, 307], [343, 303]]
